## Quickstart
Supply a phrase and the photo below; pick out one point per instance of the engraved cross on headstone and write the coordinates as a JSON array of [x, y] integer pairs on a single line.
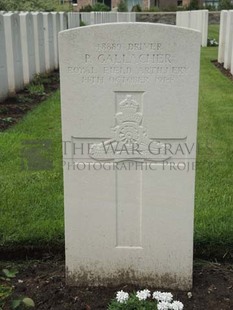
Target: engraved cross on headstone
[[128, 151]]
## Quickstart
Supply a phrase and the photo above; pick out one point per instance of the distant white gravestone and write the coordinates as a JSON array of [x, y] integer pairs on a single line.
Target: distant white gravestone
[[28, 46], [129, 118], [14, 52], [3, 65]]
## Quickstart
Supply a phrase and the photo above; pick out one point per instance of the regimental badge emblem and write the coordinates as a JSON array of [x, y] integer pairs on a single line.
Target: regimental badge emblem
[[130, 139]]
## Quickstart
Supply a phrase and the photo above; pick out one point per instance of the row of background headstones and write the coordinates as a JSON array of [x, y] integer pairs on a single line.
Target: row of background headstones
[[29, 43], [225, 48], [93, 18], [197, 19], [28, 46]]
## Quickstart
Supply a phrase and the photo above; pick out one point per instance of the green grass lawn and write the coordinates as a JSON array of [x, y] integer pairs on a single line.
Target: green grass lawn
[[31, 203], [214, 182], [213, 32]]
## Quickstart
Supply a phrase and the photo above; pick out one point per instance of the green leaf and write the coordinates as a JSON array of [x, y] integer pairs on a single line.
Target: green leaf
[[28, 302], [10, 273], [16, 303], [5, 291]]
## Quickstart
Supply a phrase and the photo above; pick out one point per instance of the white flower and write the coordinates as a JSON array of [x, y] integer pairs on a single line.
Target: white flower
[[147, 292], [163, 305], [190, 295], [122, 296], [143, 295], [156, 295], [177, 305], [166, 297]]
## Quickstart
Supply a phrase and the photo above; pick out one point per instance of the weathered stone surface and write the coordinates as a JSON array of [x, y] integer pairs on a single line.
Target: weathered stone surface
[[86, 18], [197, 20], [28, 46], [94, 18], [49, 41], [56, 29], [109, 17], [14, 52], [74, 20], [229, 40], [129, 119], [63, 21], [126, 17], [183, 19], [3, 63], [222, 36], [39, 42]]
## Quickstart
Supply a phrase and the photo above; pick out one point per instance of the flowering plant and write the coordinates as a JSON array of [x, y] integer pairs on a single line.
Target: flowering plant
[[145, 300], [212, 42]]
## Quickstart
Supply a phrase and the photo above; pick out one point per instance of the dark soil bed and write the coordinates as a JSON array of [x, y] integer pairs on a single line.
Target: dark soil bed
[[16, 106], [44, 282], [222, 69]]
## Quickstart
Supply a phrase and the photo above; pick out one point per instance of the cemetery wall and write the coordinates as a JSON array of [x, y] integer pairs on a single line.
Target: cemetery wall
[[214, 18], [158, 17], [170, 17]]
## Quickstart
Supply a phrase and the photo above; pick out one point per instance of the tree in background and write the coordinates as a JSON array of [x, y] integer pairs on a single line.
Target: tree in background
[[32, 5], [97, 7], [122, 6], [100, 7], [194, 5], [225, 5], [136, 8]]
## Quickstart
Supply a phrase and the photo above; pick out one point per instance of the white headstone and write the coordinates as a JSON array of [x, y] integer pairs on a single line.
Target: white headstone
[[204, 29], [97, 17], [222, 35], [109, 17], [73, 20], [56, 29], [194, 20], [129, 119], [197, 19], [28, 46], [86, 18], [229, 40], [77, 19], [70, 20], [3, 62], [39, 42], [183, 19], [14, 52], [132, 17], [231, 68], [63, 21], [123, 17], [49, 41]]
